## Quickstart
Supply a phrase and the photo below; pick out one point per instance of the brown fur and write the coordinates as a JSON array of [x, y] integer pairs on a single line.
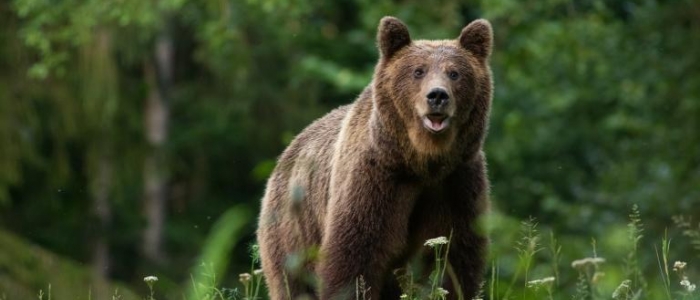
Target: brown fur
[[369, 183]]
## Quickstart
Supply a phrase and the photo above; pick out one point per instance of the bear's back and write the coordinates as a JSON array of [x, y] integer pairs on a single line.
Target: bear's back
[[298, 187]]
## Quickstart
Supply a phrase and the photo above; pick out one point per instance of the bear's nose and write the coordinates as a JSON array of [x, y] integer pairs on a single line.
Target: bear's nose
[[437, 98]]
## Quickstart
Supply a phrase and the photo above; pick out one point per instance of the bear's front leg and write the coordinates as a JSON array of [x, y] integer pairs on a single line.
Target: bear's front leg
[[366, 231], [467, 258], [467, 203]]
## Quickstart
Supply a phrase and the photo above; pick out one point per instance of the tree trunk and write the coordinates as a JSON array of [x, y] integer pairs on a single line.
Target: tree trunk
[[101, 193], [99, 94], [159, 78]]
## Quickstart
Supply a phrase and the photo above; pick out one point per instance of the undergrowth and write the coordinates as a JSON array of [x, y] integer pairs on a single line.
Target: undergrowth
[[585, 278]]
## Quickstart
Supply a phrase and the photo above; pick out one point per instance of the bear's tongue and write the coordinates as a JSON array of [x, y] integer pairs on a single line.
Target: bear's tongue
[[435, 123]]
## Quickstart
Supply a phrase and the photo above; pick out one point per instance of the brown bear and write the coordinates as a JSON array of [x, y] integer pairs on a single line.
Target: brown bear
[[369, 182]]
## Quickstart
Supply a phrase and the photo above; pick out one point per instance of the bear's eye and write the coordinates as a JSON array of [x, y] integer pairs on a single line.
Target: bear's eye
[[418, 73], [453, 75]]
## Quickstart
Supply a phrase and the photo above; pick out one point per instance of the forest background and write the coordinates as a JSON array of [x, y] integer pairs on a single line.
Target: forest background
[[136, 136]]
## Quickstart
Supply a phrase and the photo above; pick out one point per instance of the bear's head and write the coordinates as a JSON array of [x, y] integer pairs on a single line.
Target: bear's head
[[440, 90]]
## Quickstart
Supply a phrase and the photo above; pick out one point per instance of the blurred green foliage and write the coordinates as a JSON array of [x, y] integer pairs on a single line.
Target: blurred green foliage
[[26, 270], [597, 107]]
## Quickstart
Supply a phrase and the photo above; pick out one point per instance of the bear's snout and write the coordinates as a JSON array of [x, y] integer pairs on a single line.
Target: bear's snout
[[437, 99]]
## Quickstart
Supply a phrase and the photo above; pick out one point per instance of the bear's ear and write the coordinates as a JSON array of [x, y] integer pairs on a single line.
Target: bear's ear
[[477, 38], [392, 35]]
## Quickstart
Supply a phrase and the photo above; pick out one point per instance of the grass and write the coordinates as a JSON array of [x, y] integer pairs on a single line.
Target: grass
[[533, 269], [539, 273], [28, 271]]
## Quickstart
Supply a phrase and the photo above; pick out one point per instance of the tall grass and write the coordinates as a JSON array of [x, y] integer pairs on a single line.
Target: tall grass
[[539, 272]]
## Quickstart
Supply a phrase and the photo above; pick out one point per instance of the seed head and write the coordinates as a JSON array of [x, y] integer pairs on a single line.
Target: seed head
[[622, 289], [244, 278]]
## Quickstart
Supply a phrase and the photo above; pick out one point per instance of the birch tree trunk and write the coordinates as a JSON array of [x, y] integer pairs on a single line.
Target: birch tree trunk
[[102, 209], [100, 99], [159, 77]]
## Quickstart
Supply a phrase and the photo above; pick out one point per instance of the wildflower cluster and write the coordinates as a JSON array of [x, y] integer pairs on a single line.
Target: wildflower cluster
[[589, 275], [537, 283], [588, 261], [689, 287], [150, 281], [432, 243], [441, 249], [679, 267], [251, 283]]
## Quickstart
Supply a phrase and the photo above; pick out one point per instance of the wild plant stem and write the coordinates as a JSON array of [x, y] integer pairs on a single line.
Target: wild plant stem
[[447, 252]]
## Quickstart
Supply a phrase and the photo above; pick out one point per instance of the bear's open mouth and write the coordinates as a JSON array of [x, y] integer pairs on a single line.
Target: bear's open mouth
[[436, 122]]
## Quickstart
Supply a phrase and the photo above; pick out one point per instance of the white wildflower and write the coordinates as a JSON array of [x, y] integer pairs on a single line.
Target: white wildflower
[[442, 292], [257, 272], [436, 241], [403, 296], [581, 263], [685, 283], [150, 279], [537, 283], [244, 277], [679, 266]]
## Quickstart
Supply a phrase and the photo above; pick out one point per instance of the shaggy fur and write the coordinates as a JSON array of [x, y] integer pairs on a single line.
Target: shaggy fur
[[369, 182]]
